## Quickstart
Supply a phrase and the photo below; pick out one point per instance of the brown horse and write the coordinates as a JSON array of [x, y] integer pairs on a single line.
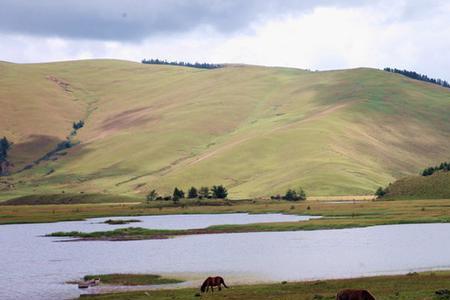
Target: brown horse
[[212, 282], [354, 295]]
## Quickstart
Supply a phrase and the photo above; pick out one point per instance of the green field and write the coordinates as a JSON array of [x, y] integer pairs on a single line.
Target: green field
[[403, 287], [257, 130], [335, 215], [436, 186], [131, 279]]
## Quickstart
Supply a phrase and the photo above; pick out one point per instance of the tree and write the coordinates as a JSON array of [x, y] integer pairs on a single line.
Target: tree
[[203, 192], [293, 195], [444, 166], [152, 196], [78, 125], [192, 193], [5, 145], [417, 76], [177, 194], [219, 192], [301, 194], [380, 192], [181, 63]]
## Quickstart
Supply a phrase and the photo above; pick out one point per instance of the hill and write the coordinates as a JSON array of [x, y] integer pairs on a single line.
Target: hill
[[436, 186], [257, 130]]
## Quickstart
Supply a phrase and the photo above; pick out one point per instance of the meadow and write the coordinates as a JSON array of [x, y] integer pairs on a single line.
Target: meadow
[[256, 130], [336, 214], [413, 286]]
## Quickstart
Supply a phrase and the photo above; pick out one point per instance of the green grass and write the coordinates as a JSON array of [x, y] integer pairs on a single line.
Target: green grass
[[402, 287], [120, 221], [64, 198], [335, 216], [131, 279], [130, 233], [257, 130], [436, 186]]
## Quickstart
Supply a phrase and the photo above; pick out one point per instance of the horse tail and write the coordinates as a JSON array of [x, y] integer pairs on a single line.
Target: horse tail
[[204, 285], [368, 295], [223, 282]]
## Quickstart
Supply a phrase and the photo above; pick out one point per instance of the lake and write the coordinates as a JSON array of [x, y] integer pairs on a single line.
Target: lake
[[36, 267]]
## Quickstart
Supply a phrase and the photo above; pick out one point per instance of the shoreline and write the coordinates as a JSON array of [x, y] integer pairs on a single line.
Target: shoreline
[[412, 285]]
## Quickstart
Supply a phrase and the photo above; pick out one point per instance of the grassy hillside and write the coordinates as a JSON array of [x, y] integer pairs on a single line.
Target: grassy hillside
[[257, 130], [436, 186]]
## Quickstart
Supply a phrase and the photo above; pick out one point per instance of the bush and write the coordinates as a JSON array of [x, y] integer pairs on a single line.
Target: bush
[[78, 125], [4, 147], [219, 192], [445, 167], [294, 195], [192, 193], [153, 195], [203, 192], [177, 194], [380, 192]]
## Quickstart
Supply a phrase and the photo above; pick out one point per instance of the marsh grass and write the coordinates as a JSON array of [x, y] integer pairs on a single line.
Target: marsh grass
[[401, 287], [132, 279]]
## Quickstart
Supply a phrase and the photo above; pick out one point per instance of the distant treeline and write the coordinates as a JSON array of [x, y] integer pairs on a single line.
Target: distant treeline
[[445, 167], [181, 63], [215, 192], [417, 76], [291, 195]]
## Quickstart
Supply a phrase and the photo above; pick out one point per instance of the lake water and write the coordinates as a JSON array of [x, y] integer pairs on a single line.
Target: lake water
[[36, 267]]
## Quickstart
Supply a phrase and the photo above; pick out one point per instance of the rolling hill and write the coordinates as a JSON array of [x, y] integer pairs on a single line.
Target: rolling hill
[[436, 186], [257, 130]]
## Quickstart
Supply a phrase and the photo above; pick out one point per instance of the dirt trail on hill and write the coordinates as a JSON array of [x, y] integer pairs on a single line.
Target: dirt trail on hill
[[312, 117], [189, 161]]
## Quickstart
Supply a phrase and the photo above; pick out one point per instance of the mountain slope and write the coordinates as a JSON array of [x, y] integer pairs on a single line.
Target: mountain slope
[[436, 186], [257, 130]]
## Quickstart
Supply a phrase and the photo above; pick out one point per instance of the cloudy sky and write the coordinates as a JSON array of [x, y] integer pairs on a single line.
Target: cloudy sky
[[310, 34]]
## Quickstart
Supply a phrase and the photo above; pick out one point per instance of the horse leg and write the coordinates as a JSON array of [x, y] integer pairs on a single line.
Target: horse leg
[[220, 288], [212, 289]]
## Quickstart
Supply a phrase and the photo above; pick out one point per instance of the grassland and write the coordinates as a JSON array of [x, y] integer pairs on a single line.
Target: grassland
[[403, 287], [436, 186], [131, 279], [335, 215], [257, 130], [70, 199]]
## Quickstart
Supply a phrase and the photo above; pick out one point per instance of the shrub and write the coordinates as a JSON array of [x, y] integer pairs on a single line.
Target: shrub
[[203, 192], [4, 147], [192, 193], [294, 195], [78, 125], [153, 195], [219, 192], [177, 194], [445, 167], [380, 192]]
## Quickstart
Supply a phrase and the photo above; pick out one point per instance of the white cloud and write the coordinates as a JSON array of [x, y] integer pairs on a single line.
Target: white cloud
[[376, 35]]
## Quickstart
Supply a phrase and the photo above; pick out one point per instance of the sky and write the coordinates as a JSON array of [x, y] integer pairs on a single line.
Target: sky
[[315, 35]]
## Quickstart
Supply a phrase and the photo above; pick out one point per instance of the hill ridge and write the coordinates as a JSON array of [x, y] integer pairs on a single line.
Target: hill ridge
[[258, 130]]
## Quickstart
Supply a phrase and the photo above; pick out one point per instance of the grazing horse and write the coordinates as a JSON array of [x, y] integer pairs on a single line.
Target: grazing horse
[[212, 282], [354, 295]]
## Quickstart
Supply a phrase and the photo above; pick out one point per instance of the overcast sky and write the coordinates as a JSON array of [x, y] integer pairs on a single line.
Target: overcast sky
[[319, 34]]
